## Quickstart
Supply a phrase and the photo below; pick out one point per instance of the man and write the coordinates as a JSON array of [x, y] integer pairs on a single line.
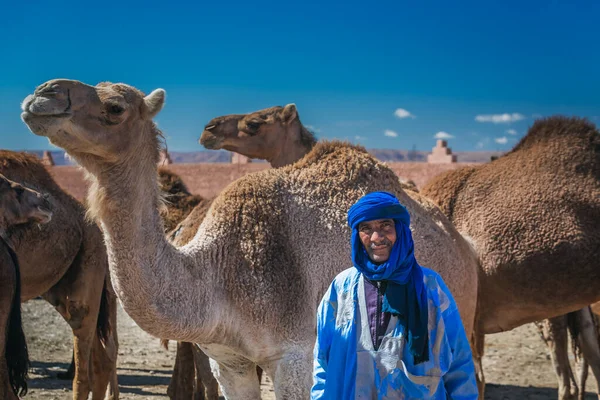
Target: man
[[388, 328]]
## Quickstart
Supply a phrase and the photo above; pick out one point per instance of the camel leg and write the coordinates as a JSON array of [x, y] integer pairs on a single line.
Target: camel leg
[[78, 297], [292, 377], [582, 374], [104, 353], [112, 347], [554, 332], [588, 340], [7, 294], [237, 379], [477, 350], [182, 380], [205, 380]]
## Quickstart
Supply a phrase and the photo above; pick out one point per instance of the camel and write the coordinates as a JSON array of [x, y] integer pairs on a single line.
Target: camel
[[533, 216], [18, 205], [255, 135], [65, 262], [245, 289]]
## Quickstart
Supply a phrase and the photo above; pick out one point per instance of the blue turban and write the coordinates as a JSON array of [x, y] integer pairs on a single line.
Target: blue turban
[[405, 295]]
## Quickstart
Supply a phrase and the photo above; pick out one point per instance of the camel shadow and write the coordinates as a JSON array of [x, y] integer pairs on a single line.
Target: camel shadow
[[131, 380], [512, 392]]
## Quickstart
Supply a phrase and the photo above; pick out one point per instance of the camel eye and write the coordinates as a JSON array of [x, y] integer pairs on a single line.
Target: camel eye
[[253, 125], [115, 109]]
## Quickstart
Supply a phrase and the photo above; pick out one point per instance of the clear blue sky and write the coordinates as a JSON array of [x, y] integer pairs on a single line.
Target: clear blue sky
[[348, 66]]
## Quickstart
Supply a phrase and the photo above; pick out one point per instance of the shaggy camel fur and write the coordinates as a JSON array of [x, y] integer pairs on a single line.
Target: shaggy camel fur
[[18, 205], [65, 262], [246, 288], [533, 217]]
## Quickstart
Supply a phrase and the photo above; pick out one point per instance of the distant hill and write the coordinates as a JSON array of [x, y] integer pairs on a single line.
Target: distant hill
[[223, 156]]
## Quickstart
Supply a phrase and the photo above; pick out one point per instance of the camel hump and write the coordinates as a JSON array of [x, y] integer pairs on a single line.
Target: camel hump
[[567, 129]]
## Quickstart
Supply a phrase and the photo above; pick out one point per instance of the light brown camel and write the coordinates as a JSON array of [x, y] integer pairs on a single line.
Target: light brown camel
[[533, 216], [257, 135], [18, 205], [65, 262], [246, 288]]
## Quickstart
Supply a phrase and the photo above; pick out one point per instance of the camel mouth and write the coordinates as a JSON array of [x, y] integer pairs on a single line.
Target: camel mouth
[[210, 141], [45, 106]]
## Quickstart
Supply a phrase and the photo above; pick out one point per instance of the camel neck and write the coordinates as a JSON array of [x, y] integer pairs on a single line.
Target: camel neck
[[146, 269], [290, 152]]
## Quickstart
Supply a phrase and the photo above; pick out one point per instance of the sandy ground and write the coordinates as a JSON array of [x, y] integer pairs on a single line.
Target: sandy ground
[[516, 363]]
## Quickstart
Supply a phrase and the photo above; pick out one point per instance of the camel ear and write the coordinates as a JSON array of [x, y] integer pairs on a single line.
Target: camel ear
[[155, 101], [290, 113]]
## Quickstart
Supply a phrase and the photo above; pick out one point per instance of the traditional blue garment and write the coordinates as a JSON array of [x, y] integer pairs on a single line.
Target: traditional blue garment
[[346, 365], [405, 294]]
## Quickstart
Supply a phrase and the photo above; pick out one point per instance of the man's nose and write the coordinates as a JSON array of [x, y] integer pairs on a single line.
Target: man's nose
[[376, 236]]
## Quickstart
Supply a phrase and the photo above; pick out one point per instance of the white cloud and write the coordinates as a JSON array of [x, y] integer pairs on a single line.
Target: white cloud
[[511, 132], [443, 135], [480, 145], [501, 140], [360, 138], [500, 118], [390, 133], [402, 113]]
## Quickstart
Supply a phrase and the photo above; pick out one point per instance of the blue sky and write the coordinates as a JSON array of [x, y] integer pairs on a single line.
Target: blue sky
[[479, 72]]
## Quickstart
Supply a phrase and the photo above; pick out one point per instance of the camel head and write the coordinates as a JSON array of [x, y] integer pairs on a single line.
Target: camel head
[[263, 134], [21, 205], [100, 122]]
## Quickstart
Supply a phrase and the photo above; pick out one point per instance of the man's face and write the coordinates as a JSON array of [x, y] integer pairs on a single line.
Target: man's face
[[378, 237]]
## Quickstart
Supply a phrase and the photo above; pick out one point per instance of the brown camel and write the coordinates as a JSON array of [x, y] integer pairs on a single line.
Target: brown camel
[[18, 205], [65, 262], [533, 216], [235, 289]]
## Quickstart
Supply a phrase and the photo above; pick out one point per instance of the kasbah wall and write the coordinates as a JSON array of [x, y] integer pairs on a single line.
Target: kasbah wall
[[208, 179]]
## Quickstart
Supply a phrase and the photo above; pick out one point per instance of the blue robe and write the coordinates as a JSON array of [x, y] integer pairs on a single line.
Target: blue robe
[[346, 366]]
